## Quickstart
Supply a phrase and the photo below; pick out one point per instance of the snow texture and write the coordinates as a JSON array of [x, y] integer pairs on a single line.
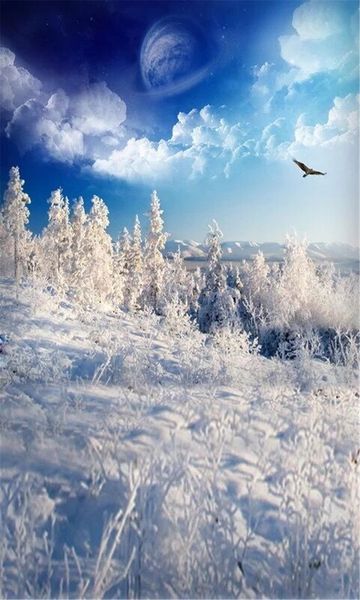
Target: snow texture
[[142, 462]]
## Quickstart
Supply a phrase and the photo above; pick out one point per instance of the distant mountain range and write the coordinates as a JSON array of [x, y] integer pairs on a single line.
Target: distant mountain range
[[273, 251]]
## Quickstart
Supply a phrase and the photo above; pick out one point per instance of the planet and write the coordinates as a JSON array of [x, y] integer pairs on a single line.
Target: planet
[[174, 56]]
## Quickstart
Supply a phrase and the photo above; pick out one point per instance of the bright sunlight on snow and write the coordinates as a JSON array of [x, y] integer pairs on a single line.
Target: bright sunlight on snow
[[168, 433]]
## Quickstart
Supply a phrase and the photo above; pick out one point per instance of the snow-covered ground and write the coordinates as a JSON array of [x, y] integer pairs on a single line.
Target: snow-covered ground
[[140, 458]]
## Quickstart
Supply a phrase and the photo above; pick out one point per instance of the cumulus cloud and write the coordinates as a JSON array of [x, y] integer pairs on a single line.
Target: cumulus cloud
[[65, 127], [97, 110], [341, 126], [139, 159], [323, 44], [17, 85], [202, 142], [35, 125], [323, 40], [340, 129]]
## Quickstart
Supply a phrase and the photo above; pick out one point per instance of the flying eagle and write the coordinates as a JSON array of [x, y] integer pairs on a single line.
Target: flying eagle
[[307, 170]]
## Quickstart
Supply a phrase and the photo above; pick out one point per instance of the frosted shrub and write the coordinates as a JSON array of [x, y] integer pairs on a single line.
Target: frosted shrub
[[176, 320], [30, 541], [107, 343], [34, 365], [27, 539], [229, 352], [318, 542], [345, 348], [194, 368], [281, 305]]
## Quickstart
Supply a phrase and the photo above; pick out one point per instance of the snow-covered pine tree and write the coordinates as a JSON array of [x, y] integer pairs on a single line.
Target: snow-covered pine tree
[[79, 256], [6, 249], [134, 285], [177, 279], [233, 279], [195, 285], [56, 242], [15, 217], [121, 258], [98, 246], [154, 260], [217, 302]]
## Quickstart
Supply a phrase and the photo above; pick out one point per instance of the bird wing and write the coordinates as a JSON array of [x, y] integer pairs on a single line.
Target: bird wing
[[312, 172], [301, 165]]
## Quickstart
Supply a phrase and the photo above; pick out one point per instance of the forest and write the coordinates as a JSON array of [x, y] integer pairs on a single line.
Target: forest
[[284, 308]]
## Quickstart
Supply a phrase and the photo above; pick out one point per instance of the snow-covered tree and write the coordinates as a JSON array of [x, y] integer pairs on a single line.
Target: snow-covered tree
[[217, 302], [121, 258], [6, 249], [56, 241], [255, 276], [98, 247], [154, 260], [195, 285], [134, 286], [176, 279], [15, 217], [78, 253], [296, 285], [233, 279]]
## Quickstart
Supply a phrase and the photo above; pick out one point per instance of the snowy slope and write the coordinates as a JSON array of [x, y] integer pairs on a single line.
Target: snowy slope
[[140, 461]]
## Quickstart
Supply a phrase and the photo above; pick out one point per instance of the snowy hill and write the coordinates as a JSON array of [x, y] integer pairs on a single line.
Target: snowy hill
[[273, 251], [139, 458]]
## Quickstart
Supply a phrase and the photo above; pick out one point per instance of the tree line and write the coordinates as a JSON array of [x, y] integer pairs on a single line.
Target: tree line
[[276, 304]]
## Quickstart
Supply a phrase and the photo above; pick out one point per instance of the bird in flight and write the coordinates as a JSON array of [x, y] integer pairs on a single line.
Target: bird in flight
[[307, 170]]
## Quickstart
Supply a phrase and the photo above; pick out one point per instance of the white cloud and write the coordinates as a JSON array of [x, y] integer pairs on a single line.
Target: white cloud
[[17, 85], [139, 159], [34, 124], [97, 110], [58, 106], [323, 40], [318, 20], [202, 142], [66, 128], [341, 126], [313, 56], [340, 129], [271, 137]]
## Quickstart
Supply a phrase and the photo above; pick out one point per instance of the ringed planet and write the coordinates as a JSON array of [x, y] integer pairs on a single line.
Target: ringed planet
[[174, 56]]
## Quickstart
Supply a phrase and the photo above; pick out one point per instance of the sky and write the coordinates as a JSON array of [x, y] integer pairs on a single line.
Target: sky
[[206, 102]]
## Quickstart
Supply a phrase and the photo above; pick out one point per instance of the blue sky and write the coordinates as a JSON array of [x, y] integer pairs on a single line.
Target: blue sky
[[207, 102]]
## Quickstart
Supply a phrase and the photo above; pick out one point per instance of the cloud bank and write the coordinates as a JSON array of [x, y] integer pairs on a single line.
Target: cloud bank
[[340, 129], [65, 127], [202, 143], [17, 85]]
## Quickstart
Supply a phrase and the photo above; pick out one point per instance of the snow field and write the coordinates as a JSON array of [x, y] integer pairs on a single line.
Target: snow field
[[141, 458]]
